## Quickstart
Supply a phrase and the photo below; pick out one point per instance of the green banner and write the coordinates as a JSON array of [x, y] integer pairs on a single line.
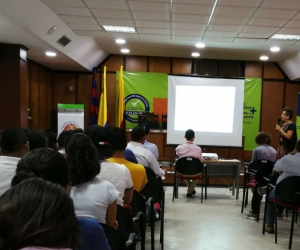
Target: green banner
[[252, 103], [148, 92]]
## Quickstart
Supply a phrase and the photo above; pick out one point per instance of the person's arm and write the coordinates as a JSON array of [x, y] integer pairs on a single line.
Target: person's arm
[[254, 155], [111, 215], [153, 164], [128, 195], [288, 134], [156, 152], [128, 186]]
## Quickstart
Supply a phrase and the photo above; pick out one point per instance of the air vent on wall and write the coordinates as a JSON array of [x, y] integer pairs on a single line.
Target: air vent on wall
[[63, 41]]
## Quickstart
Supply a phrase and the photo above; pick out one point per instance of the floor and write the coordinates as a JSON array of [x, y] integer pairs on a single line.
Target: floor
[[217, 223]]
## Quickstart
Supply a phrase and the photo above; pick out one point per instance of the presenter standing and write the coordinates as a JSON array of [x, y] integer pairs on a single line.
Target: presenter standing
[[287, 130]]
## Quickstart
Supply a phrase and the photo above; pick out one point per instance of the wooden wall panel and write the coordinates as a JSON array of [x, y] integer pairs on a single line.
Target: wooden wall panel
[[136, 63], [271, 71], [291, 98], [34, 96], [61, 93], [111, 98], [159, 64], [182, 66], [49, 97], [253, 69], [114, 63], [42, 99], [84, 94], [272, 99], [228, 68], [24, 91], [206, 67]]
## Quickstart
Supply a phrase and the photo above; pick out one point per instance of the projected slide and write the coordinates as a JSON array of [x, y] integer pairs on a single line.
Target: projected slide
[[212, 107]]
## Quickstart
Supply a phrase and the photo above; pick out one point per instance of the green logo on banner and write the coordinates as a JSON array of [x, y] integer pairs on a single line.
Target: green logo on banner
[[135, 104]]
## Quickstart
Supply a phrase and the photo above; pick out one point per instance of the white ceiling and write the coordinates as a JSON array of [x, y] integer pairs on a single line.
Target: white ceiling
[[239, 29]]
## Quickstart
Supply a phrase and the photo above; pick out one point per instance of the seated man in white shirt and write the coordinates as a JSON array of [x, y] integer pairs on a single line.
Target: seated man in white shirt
[[148, 145], [143, 156], [192, 150], [14, 144]]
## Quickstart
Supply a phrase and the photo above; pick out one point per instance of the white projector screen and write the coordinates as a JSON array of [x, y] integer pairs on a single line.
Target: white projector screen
[[212, 107]]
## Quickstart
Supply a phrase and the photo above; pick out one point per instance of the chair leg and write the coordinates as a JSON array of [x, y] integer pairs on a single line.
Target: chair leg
[[152, 222], [292, 228], [143, 232], [246, 199], [162, 221], [243, 201], [202, 191], [265, 213], [276, 223], [174, 186]]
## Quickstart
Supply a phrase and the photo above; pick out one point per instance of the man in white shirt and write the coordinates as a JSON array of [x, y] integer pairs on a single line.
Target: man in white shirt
[[14, 144], [148, 145], [191, 150], [143, 156]]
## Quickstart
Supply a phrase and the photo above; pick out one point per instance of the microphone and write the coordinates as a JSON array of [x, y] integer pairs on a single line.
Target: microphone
[[278, 121]]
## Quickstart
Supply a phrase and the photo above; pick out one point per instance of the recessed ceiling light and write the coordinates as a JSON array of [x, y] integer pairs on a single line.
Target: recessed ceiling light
[[49, 53], [275, 49], [125, 50], [119, 28], [195, 54], [200, 45], [264, 58], [120, 41], [285, 37]]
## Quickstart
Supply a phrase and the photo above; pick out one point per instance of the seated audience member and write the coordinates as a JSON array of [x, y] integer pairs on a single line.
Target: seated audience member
[[61, 141], [37, 139], [52, 166], [93, 197], [118, 145], [26, 224], [129, 155], [143, 156], [148, 145], [52, 140], [263, 152], [192, 150], [116, 174], [14, 145], [288, 166]]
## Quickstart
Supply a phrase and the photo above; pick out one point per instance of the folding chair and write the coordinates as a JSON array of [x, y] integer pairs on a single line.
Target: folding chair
[[188, 166]]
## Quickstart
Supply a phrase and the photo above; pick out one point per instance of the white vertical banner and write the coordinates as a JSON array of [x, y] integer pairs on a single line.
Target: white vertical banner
[[70, 117]]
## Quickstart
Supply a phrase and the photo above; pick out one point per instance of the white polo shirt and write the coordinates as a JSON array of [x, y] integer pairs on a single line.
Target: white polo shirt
[[145, 157], [8, 166]]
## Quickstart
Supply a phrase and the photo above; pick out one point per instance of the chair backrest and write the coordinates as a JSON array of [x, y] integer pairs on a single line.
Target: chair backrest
[[154, 188], [92, 235], [138, 203], [263, 167], [149, 172], [287, 188], [188, 166], [126, 225], [115, 239]]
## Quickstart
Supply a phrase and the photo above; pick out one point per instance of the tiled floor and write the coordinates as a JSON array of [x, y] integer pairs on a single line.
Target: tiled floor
[[217, 223]]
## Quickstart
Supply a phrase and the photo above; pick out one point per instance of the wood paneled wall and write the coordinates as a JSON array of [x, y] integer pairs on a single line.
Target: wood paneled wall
[[277, 92]]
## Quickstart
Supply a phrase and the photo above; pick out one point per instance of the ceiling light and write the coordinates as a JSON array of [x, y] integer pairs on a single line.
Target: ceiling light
[[51, 30], [119, 28], [125, 50], [120, 41], [212, 12], [49, 53], [195, 54], [275, 49], [285, 37], [200, 45], [264, 58]]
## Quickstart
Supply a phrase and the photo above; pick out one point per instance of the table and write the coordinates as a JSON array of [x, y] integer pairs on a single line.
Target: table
[[223, 167]]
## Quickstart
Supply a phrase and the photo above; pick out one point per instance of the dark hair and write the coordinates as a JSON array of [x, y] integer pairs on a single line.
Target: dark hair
[[289, 112], [288, 146], [37, 213], [52, 140], [137, 133], [43, 163], [37, 139], [13, 140], [263, 138], [189, 134], [83, 159], [62, 138], [118, 139], [146, 128]]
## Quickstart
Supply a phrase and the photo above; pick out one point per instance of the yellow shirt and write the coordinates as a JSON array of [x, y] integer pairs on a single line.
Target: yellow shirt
[[137, 171]]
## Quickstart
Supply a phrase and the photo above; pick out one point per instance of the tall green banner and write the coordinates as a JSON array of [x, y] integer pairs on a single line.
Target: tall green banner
[[148, 92], [252, 103]]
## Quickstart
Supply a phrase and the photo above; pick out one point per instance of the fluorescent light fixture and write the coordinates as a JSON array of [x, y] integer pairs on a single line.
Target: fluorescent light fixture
[[200, 45], [212, 12], [49, 53], [195, 54], [120, 41], [125, 50], [264, 58], [119, 28], [275, 49], [285, 37]]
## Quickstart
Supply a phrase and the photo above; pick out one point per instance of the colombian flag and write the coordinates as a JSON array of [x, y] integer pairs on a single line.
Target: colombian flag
[[94, 103], [102, 118], [121, 105]]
